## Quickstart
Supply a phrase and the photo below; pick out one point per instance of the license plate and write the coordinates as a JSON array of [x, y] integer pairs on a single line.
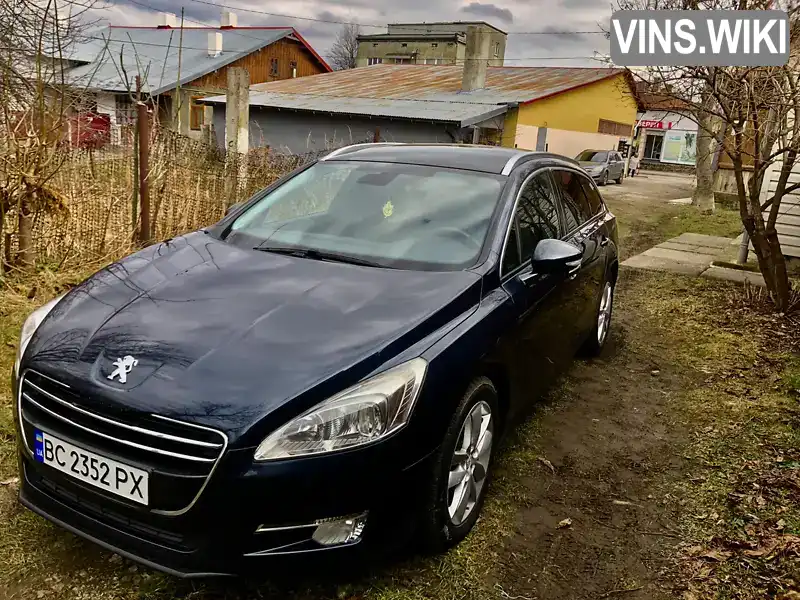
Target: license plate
[[104, 473]]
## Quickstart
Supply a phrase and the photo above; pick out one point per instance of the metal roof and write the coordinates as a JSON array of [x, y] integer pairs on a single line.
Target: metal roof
[[152, 53], [462, 114], [421, 92]]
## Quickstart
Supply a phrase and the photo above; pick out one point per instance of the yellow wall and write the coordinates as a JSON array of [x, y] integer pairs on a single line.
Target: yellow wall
[[581, 109], [510, 128]]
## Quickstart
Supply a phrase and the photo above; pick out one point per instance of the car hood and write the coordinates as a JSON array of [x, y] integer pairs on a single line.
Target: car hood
[[224, 336]]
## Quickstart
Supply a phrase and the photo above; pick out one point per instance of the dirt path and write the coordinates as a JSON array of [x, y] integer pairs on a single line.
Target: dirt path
[[608, 436]]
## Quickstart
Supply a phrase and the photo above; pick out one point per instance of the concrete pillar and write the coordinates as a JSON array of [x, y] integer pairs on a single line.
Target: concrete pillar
[[181, 106], [237, 131], [476, 59], [541, 139], [237, 111]]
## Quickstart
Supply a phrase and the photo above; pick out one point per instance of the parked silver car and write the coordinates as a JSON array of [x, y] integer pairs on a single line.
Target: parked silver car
[[603, 165]]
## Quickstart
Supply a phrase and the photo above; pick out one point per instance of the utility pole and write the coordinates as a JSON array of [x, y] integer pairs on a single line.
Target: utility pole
[[144, 149]]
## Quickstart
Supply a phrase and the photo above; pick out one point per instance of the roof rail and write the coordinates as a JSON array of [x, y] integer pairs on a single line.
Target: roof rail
[[512, 162], [354, 147]]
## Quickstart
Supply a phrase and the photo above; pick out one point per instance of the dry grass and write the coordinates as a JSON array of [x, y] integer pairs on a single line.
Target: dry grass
[[190, 188], [741, 515]]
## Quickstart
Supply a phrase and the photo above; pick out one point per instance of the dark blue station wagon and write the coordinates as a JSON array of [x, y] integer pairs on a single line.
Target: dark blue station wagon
[[334, 360]]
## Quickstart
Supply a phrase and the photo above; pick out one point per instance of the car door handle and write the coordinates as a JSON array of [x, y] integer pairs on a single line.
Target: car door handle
[[528, 278], [574, 268]]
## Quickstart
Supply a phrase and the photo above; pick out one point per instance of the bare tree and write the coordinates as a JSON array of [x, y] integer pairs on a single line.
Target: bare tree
[[754, 113], [36, 103], [344, 50]]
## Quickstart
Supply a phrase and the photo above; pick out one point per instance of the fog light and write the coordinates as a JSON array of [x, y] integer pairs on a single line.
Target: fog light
[[339, 530]]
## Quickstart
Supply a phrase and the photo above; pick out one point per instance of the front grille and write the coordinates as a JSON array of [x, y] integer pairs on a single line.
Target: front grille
[[180, 457]]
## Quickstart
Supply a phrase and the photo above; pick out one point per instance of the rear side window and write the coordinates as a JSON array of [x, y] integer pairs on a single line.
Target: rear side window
[[577, 209], [595, 201], [537, 214]]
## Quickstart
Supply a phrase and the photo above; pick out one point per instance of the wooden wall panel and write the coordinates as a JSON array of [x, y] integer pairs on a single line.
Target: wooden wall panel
[[259, 65]]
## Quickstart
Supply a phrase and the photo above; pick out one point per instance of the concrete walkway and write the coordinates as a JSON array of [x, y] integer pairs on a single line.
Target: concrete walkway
[[692, 254]]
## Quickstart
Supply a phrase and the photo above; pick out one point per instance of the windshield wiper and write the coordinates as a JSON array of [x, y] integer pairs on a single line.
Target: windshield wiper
[[318, 255]]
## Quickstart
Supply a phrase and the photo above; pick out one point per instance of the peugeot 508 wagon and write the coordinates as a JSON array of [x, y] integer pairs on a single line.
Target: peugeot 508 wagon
[[338, 356]]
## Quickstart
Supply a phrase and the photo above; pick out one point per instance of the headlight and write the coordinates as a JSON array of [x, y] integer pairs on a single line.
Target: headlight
[[360, 415], [30, 326]]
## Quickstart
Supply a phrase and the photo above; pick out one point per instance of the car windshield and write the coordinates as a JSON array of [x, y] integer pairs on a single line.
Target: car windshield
[[593, 156], [393, 215]]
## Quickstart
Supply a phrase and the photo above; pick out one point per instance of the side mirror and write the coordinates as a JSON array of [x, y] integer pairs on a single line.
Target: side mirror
[[231, 208], [555, 256]]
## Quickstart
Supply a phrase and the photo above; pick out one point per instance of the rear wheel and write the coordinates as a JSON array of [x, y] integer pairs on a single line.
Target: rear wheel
[[597, 338], [621, 177], [461, 470]]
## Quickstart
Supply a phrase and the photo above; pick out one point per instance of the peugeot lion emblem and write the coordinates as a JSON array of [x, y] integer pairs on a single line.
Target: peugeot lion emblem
[[124, 366]]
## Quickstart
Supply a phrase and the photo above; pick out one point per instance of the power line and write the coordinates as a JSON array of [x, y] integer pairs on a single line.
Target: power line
[[204, 49], [338, 22]]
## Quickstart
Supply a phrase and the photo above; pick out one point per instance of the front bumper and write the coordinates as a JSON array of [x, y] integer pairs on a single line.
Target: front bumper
[[218, 535]]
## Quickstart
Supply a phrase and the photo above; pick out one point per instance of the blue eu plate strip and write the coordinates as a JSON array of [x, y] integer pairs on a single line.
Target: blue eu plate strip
[[38, 445]]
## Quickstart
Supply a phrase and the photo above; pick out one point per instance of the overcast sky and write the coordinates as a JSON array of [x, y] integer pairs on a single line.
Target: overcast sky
[[509, 15]]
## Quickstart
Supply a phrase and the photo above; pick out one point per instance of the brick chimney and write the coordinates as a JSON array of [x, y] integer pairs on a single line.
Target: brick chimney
[[476, 59]]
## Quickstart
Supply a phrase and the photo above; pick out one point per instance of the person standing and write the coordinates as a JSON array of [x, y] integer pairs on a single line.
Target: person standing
[[633, 164]]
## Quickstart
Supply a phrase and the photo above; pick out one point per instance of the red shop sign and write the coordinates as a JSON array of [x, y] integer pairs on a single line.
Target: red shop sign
[[655, 124]]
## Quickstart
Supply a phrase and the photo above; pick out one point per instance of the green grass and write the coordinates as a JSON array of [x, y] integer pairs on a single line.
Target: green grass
[[724, 222]]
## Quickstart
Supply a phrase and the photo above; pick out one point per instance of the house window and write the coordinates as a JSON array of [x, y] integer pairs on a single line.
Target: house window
[[374, 45], [614, 128], [293, 66], [497, 49], [273, 67], [450, 44], [434, 45], [374, 61], [404, 45], [196, 114]]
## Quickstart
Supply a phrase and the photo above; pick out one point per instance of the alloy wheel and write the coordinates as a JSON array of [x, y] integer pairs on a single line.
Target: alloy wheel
[[469, 465], [604, 314], [605, 178]]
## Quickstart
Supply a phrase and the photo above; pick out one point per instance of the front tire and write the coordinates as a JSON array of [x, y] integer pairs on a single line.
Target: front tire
[[461, 469], [604, 178]]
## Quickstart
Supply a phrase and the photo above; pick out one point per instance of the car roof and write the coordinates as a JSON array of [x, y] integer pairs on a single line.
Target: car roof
[[485, 159]]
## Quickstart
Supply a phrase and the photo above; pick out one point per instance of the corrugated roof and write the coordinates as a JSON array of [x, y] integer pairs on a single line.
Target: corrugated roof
[[425, 92], [441, 82], [152, 53]]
